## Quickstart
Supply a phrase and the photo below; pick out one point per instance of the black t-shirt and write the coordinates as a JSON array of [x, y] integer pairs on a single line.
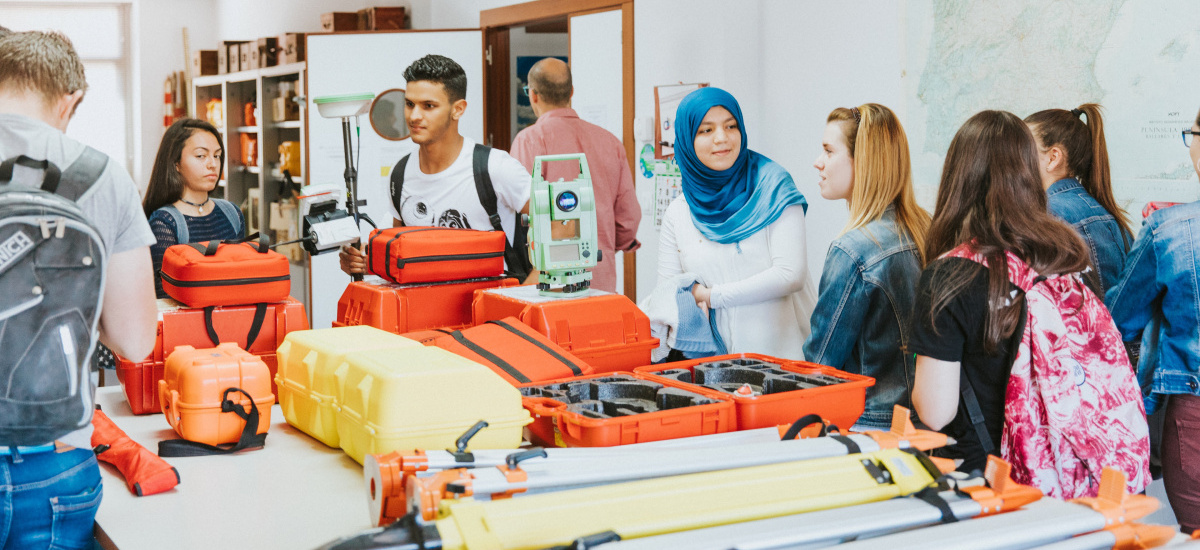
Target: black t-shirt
[[957, 335]]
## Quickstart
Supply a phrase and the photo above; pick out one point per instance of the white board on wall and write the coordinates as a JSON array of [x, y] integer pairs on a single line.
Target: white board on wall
[[341, 64]]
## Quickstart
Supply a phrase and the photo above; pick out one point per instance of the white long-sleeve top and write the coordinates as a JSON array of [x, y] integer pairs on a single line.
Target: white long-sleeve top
[[761, 289]]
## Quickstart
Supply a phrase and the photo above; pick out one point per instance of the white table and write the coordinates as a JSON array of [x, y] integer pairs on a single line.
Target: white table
[[293, 493]]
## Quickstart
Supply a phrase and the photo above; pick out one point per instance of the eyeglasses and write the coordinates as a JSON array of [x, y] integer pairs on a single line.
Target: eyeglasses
[[1187, 137], [525, 88]]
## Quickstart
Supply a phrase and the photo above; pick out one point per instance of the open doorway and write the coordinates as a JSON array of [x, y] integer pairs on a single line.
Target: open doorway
[[596, 38]]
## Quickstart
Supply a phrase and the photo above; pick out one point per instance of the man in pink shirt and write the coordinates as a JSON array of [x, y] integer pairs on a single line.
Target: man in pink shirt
[[559, 130]]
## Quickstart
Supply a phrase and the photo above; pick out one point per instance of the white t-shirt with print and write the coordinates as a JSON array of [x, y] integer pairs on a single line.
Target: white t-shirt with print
[[449, 198]]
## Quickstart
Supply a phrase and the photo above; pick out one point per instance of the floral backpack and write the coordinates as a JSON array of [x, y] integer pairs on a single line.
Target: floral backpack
[[1073, 405]]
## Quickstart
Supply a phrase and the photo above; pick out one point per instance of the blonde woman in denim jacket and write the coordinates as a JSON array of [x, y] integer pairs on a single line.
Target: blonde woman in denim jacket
[[863, 311], [1161, 283]]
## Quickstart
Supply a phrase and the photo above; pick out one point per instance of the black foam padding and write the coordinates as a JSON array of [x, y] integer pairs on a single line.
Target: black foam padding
[[763, 377], [617, 395]]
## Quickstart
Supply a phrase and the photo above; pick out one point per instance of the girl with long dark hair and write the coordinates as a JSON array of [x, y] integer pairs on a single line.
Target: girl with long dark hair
[[1073, 163], [189, 164], [990, 198]]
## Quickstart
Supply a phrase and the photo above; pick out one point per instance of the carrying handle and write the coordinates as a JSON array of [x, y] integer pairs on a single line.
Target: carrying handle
[[516, 458], [460, 444], [805, 421], [260, 313], [49, 181], [263, 240], [250, 438]]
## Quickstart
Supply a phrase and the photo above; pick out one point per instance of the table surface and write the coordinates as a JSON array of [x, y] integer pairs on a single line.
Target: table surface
[[293, 493]]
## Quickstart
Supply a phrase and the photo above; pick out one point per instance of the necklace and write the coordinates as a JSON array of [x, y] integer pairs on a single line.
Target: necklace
[[199, 207]]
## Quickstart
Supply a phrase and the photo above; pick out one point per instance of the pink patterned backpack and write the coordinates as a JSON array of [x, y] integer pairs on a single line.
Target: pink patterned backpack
[[1073, 405]]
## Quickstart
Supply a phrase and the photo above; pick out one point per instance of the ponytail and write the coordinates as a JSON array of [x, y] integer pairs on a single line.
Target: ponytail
[[1086, 149], [1098, 178]]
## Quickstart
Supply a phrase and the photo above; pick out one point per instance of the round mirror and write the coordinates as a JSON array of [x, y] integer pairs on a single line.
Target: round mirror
[[387, 115]]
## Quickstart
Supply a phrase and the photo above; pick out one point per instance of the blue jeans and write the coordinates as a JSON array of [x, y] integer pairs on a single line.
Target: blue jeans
[[49, 499]]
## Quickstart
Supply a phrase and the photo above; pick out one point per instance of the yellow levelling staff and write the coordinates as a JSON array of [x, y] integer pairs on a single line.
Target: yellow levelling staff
[[663, 505], [395, 485]]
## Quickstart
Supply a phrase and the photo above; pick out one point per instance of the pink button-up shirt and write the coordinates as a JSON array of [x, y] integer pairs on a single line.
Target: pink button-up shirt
[[561, 131]]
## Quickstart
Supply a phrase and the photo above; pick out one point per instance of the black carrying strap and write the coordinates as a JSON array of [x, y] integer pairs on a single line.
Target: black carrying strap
[[209, 248], [206, 248], [932, 496], [49, 181], [975, 414], [250, 438], [556, 355], [805, 421], [71, 183], [260, 313], [518, 262], [490, 357], [970, 400]]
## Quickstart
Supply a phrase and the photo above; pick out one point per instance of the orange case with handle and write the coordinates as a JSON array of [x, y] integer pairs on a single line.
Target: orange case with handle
[[194, 384], [514, 351], [224, 274], [435, 254]]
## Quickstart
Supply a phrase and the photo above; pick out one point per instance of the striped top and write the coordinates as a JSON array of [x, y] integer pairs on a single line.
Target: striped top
[[215, 225]]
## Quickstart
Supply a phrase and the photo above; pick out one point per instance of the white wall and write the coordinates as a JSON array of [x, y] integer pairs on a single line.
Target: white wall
[[822, 55], [242, 20], [159, 36]]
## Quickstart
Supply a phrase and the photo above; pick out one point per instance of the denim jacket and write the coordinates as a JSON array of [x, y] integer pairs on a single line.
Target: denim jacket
[[1106, 240], [862, 320], [1159, 292]]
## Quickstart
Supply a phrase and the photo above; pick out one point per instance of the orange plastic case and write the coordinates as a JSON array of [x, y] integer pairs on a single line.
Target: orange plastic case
[[606, 331], [514, 351], [222, 274], [193, 385], [435, 254], [182, 326], [406, 308], [686, 411], [779, 390]]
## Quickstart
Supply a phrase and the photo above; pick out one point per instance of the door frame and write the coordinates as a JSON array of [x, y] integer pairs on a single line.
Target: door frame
[[497, 98]]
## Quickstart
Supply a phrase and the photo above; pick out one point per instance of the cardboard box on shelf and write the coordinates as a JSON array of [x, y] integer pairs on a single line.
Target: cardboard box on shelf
[[381, 19], [204, 62], [337, 21], [244, 55], [228, 57], [267, 51], [291, 48]]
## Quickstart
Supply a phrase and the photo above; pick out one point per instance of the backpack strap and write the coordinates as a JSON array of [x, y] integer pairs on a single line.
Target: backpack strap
[[71, 183], [260, 313], [558, 356], [231, 213], [182, 234], [975, 414], [250, 438], [397, 179], [78, 178], [518, 263]]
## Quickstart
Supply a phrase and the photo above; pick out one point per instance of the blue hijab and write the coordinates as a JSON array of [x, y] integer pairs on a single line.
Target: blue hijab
[[730, 205]]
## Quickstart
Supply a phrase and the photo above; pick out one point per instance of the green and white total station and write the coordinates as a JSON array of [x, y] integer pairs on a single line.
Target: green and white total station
[[562, 228]]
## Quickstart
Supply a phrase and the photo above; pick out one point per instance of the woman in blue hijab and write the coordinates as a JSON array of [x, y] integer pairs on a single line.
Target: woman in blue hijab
[[739, 230]]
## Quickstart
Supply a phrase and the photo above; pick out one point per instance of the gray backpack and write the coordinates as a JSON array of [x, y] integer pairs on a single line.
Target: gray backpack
[[52, 266]]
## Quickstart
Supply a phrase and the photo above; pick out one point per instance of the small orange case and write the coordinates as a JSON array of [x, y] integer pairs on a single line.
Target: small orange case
[[606, 331], [192, 387]]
